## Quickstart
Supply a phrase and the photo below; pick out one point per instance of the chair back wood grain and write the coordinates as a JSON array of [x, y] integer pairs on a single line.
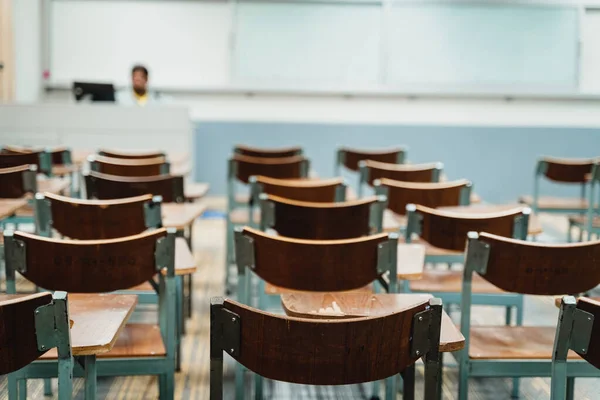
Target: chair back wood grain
[[593, 350], [105, 187], [314, 265], [97, 219], [433, 195], [401, 172], [566, 170], [129, 167], [130, 155], [318, 221], [534, 268], [448, 230], [325, 352], [263, 152], [84, 266], [18, 339], [350, 157], [310, 190], [282, 168], [13, 159], [16, 182]]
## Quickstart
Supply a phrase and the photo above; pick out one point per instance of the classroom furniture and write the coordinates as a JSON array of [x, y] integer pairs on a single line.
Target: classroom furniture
[[370, 171], [60, 157], [170, 187], [31, 326], [129, 167], [434, 195], [349, 351], [350, 158], [100, 266], [17, 182], [40, 158], [577, 331], [520, 267], [240, 169], [130, 155], [322, 221], [589, 222], [567, 171], [443, 233], [264, 152]]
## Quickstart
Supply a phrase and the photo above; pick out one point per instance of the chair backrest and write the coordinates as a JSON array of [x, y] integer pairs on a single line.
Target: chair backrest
[[350, 157], [96, 219], [322, 221], [130, 155], [317, 265], [448, 230], [565, 170], [106, 187], [594, 181], [434, 195], [18, 181], [347, 351], [264, 152], [578, 329], [88, 266], [129, 167], [41, 159], [243, 167], [32, 325], [370, 171], [311, 190], [59, 155]]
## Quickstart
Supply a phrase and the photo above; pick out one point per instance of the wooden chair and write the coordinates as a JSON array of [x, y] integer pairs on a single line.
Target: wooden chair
[[263, 152], [31, 326], [590, 222], [446, 231], [578, 330], [59, 155], [341, 352], [370, 171], [18, 181], [240, 169], [564, 171], [129, 167], [130, 155], [41, 159], [517, 266], [98, 266], [350, 157], [322, 221], [105, 187]]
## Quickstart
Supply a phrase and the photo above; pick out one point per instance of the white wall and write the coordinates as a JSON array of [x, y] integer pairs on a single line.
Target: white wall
[[28, 50]]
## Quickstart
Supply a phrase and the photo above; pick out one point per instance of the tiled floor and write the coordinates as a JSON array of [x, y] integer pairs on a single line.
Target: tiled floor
[[192, 382]]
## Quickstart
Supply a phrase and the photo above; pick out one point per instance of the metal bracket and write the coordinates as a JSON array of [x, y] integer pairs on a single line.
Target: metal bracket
[[383, 257], [340, 192], [43, 215], [165, 168], [420, 333], [521, 225], [478, 254], [414, 223], [153, 213], [165, 252], [244, 252], [30, 179], [541, 168], [465, 194], [583, 322], [267, 212], [178, 191], [376, 213], [230, 338], [45, 327], [15, 253]]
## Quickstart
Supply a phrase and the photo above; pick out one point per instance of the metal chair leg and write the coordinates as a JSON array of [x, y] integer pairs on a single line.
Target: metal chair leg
[[190, 296], [570, 388], [13, 388], [47, 387], [239, 381], [22, 383], [570, 233], [463, 380], [508, 315], [166, 384], [408, 379], [515, 388], [90, 377], [258, 387]]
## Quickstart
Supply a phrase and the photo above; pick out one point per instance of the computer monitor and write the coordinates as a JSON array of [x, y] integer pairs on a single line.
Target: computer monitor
[[94, 91]]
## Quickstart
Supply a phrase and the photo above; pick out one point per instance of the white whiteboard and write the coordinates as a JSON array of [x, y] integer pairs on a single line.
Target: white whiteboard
[[590, 57], [475, 45], [324, 44], [184, 43]]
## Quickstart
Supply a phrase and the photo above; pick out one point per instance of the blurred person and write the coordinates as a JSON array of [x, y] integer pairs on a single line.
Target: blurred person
[[138, 94]]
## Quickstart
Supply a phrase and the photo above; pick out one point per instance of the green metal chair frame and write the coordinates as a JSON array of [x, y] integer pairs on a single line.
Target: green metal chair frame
[[40, 320], [588, 222], [511, 265], [164, 258]]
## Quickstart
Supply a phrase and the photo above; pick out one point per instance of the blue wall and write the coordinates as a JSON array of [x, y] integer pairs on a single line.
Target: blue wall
[[500, 161]]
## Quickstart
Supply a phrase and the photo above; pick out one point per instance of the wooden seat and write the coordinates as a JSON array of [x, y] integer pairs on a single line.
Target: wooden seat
[[345, 351], [350, 157], [555, 203], [135, 340], [129, 167], [321, 221], [263, 152], [450, 281], [16, 182], [513, 343], [240, 217], [583, 220], [107, 187]]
